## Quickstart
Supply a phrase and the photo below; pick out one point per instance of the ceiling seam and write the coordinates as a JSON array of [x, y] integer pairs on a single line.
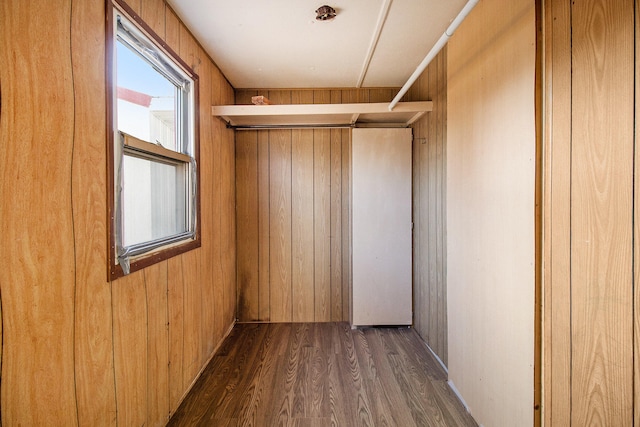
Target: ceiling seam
[[382, 17]]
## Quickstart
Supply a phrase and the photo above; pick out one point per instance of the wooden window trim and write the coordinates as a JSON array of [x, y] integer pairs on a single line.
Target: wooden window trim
[[114, 270]]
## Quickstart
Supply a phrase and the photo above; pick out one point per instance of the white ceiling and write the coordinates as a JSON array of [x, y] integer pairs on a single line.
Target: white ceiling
[[280, 44]]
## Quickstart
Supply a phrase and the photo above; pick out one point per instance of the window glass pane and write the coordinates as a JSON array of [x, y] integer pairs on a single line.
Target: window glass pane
[[146, 100], [154, 199]]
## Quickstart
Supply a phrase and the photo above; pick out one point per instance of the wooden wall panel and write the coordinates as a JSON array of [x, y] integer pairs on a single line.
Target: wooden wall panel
[[37, 243], [130, 348], [302, 223], [322, 215], [429, 208], [304, 252], [280, 225], [557, 215], [78, 349], [590, 333], [209, 213], [158, 409], [94, 370], [601, 212], [227, 223], [175, 309], [247, 196], [264, 203], [636, 232], [490, 200], [336, 224], [322, 223]]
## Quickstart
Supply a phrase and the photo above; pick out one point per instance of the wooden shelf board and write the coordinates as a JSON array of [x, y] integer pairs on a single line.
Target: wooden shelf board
[[288, 115]]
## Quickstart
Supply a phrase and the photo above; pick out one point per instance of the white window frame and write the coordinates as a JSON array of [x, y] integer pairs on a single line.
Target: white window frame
[[129, 29]]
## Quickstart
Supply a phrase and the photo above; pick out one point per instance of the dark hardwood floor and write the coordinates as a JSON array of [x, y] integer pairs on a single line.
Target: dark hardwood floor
[[321, 374]]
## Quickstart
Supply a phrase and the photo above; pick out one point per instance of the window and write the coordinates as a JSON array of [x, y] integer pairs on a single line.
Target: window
[[154, 206]]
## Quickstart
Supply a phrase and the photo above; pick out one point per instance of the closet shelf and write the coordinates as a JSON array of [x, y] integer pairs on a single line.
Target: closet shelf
[[321, 115]]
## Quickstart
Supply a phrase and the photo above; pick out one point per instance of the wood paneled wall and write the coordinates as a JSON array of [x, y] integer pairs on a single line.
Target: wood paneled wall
[[293, 215], [429, 208], [76, 349], [591, 296], [491, 187]]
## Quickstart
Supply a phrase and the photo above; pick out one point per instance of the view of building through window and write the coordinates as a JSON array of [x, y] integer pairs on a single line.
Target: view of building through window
[[155, 188], [146, 100]]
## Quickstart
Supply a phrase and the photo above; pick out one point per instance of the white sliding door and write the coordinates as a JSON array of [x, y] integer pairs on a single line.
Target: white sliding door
[[381, 200]]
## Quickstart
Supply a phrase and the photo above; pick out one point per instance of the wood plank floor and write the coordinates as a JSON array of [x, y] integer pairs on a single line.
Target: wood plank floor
[[321, 374]]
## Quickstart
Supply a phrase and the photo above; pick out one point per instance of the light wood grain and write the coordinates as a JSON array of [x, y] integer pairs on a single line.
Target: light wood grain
[[636, 235], [280, 218], [429, 209], [322, 374], [336, 223], [302, 223], [322, 223], [264, 203], [155, 279], [37, 243], [557, 216], [105, 346], [325, 210], [176, 333], [602, 213], [153, 14], [94, 371], [130, 348], [247, 219], [346, 224], [490, 184], [227, 229], [218, 170], [280, 225]]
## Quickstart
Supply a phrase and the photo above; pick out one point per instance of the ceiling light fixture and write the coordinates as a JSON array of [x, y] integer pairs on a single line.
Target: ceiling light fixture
[[325, 13]]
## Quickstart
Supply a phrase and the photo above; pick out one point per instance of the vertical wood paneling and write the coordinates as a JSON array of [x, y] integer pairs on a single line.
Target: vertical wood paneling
[[280, 217], [590, 309], [322, 223], [227, 226], [440, 202], [175, 310], [320, 212], [153, 15], [247, 219], [557, 215], [302, 217], [336, 216], [302, 223], [264, 204], [192, 303], [37, 243], [209, 214], [346, 224], [601, 213], [636, 233], [430, 218], [172, 29], [429, 209], [336, 224], [155, 278], [280, 225], [125, 351], [491, 213], [94, 370], [130, 348]]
